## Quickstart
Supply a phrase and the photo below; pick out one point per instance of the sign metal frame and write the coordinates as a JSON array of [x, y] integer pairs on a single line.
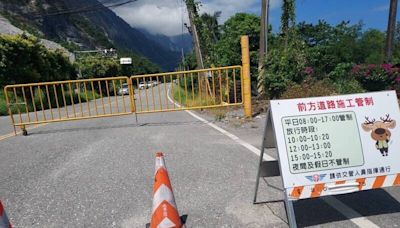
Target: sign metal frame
[[272, 168]]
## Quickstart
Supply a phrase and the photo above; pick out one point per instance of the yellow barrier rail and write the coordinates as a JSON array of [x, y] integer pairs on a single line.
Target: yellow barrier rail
[[184, 90], [46, 102]]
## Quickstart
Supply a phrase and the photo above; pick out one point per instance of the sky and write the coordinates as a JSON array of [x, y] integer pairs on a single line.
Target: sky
[[168, 16]]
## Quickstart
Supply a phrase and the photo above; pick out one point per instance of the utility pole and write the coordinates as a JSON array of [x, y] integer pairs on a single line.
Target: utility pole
[[191, 7], [183, 60], [263, 46], [390, 31]]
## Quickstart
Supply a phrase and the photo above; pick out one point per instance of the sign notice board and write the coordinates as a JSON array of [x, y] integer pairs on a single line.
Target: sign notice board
[[339, 144], [125, 61]]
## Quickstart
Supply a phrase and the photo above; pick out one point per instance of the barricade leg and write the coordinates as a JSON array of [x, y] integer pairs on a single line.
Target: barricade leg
[[290, 212], [24, 131]]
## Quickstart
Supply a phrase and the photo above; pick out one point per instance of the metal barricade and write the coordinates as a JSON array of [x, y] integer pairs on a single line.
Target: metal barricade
[[47, 102], [185, 90], [38, 103]]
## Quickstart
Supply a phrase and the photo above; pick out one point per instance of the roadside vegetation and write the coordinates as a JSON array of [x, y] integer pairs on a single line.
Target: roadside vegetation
[[304, 59], [36, 104], [189, 100], [23, 59]]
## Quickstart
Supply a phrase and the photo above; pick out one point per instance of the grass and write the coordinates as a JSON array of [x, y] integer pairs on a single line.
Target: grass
[[190, 100], [196, 101], [3, 104], [22, 108]]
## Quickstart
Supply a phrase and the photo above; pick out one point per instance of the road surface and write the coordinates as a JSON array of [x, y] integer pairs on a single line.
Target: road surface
[[99, 173]]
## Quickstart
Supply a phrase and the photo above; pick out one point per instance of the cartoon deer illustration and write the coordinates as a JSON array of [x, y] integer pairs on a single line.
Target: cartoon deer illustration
[[380, 132]]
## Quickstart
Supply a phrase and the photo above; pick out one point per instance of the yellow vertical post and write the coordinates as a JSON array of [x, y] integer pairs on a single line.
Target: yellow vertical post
[[132, 95], [244, 41], [9, 109]]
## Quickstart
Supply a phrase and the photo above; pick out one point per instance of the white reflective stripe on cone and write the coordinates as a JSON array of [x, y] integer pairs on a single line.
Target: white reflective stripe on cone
[[162, 194], [159, 163]]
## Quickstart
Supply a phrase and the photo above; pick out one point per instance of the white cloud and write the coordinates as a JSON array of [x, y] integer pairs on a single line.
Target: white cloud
[[381, 8], [156, 16], [166, 16], [231, 7]]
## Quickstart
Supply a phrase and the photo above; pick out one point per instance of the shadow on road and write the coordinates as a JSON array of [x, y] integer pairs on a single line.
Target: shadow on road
[[122, 126], [314, 212]]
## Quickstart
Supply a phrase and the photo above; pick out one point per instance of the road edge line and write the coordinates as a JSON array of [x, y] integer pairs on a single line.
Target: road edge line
[[348, 212], [224, 132]]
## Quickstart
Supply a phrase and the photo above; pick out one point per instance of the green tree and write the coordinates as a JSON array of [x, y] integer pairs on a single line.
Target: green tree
[[23, 59], [286, 66], [209, 34], [288, 19], [228, 51], [329, 45], [93, 67], [210, 24], [371, 47], [396, 50]]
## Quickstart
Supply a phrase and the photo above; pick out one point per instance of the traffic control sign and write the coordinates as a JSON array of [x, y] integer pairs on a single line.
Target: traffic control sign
[[332, 145]]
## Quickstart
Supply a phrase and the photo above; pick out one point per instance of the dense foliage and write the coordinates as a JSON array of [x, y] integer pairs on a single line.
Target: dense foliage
[[100, 66], [24, 59], [347, 57]]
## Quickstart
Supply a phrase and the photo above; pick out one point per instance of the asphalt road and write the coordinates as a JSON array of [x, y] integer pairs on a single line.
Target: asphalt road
[[99, 173]]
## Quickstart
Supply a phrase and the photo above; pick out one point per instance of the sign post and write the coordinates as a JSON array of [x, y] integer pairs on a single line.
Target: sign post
[[332, 145]]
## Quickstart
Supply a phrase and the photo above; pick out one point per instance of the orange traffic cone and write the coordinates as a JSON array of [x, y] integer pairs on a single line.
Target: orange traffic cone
[[4, 223], [165, 213]]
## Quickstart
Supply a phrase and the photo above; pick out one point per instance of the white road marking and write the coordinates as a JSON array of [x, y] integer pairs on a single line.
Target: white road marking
[[345, 210], [230, 135], [351, 214]]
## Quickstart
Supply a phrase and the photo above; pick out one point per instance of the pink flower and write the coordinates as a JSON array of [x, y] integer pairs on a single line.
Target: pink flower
[[371, 66], [387, 67], [397, 79], [355, 69], [367, 73], [308, 70]]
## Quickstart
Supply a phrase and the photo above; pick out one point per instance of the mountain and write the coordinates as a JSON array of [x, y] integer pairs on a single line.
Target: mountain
[[183, 41], [7, 28], [172, 43], [84, 24]]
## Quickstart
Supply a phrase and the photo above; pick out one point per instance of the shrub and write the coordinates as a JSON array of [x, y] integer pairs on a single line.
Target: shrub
[[343, 81], [376, 77], [23, 59], [310, 88], [285, 68]]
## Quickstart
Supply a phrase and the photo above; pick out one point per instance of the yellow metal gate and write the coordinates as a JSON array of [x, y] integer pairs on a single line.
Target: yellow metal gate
[[46, 102], [197, 89]]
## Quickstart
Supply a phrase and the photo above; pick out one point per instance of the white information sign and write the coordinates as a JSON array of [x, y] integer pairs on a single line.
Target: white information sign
[[339, 138], [125, 61]]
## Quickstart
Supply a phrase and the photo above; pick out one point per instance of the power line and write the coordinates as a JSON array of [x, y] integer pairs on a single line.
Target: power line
[[85, 9]]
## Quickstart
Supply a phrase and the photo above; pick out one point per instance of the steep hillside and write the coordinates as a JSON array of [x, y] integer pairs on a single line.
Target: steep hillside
[[99, 28], [7, 28], [173, 43]]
